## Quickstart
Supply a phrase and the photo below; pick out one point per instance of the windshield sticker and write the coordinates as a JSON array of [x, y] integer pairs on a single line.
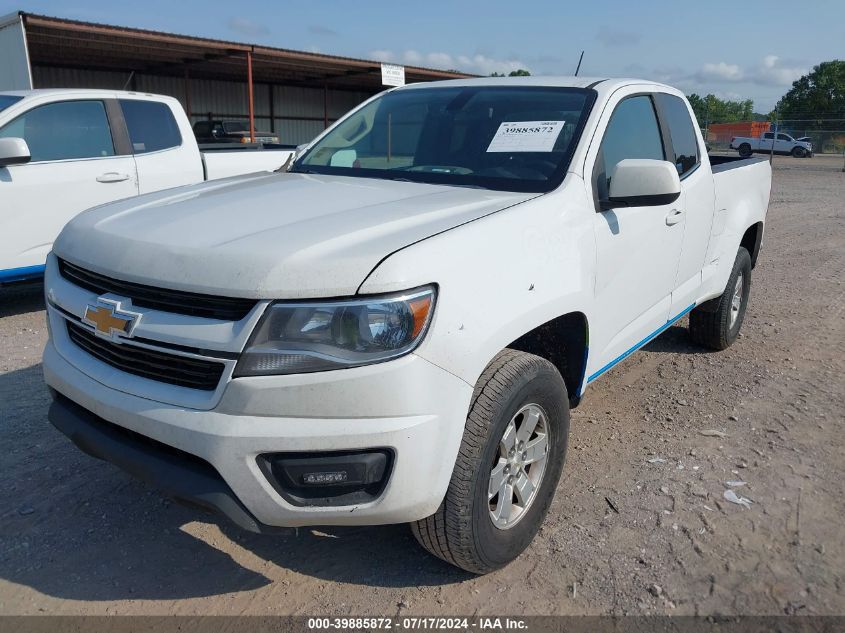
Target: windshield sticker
[[526, 136]]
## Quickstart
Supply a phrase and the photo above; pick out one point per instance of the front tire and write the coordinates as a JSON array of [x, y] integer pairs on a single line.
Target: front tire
[[798, 152], [716, 323], [508, 466]]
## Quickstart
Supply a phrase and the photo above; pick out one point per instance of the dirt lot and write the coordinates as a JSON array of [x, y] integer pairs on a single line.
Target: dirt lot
[[77, 536]]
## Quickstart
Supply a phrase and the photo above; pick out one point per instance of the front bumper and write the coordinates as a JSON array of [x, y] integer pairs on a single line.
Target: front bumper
[[409, 406]]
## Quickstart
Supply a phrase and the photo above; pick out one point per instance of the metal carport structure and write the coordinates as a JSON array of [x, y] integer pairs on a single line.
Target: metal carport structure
[[298, 93]]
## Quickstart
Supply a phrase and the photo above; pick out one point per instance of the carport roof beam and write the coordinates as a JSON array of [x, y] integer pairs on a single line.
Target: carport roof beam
[[74, 44]]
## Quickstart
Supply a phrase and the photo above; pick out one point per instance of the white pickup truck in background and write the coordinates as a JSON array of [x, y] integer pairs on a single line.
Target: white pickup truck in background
[[784, 144], [64, 151], [395, 330]]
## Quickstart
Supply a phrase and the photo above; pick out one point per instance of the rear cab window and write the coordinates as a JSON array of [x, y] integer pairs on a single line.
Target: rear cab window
[[151, 126], [681, 132]]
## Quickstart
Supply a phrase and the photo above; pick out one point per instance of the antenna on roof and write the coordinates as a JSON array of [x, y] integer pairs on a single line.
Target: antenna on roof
[[579, 63]]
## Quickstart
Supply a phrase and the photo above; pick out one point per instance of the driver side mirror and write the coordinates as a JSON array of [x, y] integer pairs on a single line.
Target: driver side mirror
[[641, 182], [14, 151]]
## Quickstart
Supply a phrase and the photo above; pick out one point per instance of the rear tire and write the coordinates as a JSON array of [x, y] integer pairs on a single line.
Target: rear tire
[[745, 150], [470, 529], [716, 324]]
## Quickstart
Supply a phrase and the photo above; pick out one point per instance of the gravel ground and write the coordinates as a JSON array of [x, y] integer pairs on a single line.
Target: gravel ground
[[77, 536]]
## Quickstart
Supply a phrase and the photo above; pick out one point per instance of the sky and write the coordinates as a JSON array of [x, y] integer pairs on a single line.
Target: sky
[[740, 49]]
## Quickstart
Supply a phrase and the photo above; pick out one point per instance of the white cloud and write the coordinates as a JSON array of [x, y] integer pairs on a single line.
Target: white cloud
[[774, 72], [617, 38], [247, 27], [721, 72], [382, 56], [771, 71], [476, 64]]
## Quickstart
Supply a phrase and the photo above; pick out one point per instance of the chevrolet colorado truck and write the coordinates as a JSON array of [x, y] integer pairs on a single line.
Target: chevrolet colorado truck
[[395, 329], [63, 151]]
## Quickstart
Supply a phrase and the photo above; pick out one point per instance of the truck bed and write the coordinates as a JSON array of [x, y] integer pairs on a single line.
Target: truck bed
[[723, 163]]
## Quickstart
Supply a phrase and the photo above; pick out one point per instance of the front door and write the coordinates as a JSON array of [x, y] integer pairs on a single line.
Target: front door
[[74, 167], [637, 248]]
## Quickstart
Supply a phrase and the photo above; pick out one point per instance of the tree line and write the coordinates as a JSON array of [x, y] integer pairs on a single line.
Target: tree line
[[815, 99]]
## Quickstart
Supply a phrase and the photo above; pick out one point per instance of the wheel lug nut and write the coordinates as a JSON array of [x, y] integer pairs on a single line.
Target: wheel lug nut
[[521, 445], [524, 456]]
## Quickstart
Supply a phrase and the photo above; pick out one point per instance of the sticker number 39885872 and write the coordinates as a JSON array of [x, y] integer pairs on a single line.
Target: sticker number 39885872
[[526, 136]]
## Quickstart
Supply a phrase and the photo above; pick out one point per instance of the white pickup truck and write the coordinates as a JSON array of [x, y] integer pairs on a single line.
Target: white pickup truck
[[63, 151], [395, 330], [783, 144]]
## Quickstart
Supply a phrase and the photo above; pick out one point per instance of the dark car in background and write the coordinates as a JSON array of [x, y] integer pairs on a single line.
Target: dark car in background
[[222, 131]]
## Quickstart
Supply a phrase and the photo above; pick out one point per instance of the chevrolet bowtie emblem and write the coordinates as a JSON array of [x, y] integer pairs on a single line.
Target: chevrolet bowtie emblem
[[110, 320]]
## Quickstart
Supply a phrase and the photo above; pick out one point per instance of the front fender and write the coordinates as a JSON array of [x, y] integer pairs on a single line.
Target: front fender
[[498, 277]]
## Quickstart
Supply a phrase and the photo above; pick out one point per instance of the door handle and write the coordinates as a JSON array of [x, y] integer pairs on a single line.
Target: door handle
[[675, 216], [112, 176]]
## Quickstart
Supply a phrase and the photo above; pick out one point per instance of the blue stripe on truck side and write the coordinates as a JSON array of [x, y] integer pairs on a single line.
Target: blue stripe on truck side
[[19, 274], [648, 338]]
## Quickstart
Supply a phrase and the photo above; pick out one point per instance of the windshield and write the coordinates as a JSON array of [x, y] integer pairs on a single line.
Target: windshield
[[7, 100], [511, 138]]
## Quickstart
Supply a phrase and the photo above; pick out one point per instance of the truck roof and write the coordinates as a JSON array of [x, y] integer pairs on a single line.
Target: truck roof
[[602, 84], [59, 92]]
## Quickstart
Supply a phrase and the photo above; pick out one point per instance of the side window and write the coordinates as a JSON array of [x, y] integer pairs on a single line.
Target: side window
[[684, 141], [151, 126], [632, 133], [768, 135], [64, 130], [783, 137]]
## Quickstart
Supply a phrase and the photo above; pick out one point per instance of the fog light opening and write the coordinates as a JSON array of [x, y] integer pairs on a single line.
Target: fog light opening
[[328, 478]]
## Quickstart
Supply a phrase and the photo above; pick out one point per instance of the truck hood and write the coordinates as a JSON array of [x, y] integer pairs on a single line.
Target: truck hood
[[268, 236]]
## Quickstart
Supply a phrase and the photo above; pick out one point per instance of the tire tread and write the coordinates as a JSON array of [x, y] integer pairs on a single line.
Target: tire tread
[[709, 323], [447, 533]]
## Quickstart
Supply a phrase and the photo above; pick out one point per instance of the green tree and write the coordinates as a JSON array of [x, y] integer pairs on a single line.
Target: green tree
[[711, 109], [817, 95], [514, 73]]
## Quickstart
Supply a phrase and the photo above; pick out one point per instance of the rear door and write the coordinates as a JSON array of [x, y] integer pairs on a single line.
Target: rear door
[[76, 164], [697, 196], [164, 157], [637, 248]]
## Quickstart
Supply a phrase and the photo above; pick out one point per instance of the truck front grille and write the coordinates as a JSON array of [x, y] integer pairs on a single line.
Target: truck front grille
[[193, 373], [164, 299]]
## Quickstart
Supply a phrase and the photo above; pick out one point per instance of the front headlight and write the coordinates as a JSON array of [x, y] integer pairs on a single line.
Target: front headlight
[[296, 337]]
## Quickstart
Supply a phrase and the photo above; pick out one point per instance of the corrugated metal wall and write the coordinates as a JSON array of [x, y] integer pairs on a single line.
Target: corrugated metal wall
[[298, 112]]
